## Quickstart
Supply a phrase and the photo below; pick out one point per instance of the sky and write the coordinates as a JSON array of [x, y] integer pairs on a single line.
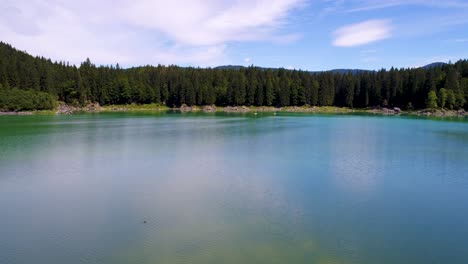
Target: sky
[[295, 34]]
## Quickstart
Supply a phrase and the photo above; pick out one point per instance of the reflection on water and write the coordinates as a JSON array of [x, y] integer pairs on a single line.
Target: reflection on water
[[354, 157], [132, 188]]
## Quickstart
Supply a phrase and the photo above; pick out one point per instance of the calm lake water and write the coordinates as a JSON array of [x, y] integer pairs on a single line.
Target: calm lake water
[[232, 189]]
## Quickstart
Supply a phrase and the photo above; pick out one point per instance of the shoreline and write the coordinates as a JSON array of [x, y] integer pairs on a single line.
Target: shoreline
[[64, 109], [443, 113]]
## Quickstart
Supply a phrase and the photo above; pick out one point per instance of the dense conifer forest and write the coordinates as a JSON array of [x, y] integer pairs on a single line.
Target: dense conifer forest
[[28, 82]]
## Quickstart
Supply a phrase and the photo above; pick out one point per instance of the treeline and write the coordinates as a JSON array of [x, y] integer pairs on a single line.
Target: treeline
[[24, 100], [173, 86]]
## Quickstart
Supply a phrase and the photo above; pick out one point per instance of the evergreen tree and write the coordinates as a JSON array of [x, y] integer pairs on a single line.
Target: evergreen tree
[[442, 97], [173, 86], [431, 101]]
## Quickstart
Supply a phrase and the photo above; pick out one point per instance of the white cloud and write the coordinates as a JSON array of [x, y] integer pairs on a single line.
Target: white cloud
[[247, 60], [362, 33], [132, 32], [207, 22]]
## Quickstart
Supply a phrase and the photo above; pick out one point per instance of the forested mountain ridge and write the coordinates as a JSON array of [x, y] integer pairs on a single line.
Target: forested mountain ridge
[[173, 85]]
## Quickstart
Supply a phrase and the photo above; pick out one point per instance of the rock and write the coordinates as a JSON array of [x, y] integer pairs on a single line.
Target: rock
[[93, 107], [185, 108], [209, 109], [388, 111], [268, 109], [15, 113], [229, 109], [292, 109], [236, 109], [65, 109], [397, 110]]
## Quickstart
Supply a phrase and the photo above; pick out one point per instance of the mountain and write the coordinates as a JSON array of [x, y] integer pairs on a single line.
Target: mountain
[[353, 71], [434, 65], [341, 71], [230, 67]]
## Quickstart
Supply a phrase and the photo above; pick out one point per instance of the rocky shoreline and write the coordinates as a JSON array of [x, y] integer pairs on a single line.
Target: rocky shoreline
[[64, 109], [443, 113], [16, 113]]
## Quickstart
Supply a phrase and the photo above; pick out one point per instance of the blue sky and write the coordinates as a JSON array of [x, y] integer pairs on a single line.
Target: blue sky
[[300, 34]]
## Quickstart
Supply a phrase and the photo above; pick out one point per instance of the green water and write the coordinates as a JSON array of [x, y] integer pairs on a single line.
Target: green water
[[232, 189]]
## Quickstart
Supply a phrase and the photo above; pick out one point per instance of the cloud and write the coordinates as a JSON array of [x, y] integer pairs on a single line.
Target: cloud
[[351, 6], [332, 6], [362, 33], [247, 60], [370, 5], [207, 22], [195, 32]]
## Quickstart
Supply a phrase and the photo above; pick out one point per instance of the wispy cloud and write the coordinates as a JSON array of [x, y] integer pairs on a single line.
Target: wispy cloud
[[193, 32], [362, 33], [332, 6], [351, 6], [368, 5]]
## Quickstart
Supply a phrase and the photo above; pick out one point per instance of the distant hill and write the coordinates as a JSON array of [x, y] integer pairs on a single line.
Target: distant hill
[[230, 67], [341, 71], [353, 71], [434, 65]]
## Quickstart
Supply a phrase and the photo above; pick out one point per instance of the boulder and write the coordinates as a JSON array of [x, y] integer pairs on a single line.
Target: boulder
[[185, 108], [209, 109]]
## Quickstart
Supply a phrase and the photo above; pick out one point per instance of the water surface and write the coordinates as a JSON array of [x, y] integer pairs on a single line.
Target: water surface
[[232, 189]]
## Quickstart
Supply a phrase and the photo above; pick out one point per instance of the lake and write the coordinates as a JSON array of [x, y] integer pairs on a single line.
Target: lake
[[225, 188]]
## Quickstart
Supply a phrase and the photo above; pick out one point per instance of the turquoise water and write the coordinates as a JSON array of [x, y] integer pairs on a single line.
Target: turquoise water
[[193, 188]]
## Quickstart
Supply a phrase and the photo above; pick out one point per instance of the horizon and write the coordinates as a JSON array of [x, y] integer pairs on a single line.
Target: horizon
[[291, 34], [235, 66]]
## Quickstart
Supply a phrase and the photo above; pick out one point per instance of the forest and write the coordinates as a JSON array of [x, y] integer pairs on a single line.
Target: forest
[[28, 83]]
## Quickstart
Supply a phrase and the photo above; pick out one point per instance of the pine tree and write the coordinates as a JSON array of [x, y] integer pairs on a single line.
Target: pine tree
[[431, 101], [442, 97]]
